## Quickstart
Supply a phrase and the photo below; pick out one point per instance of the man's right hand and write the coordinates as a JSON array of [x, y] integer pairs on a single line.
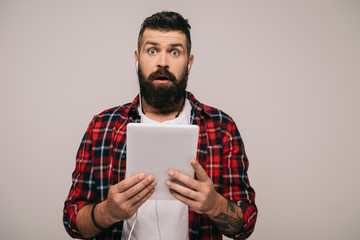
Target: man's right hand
[[124, 199]]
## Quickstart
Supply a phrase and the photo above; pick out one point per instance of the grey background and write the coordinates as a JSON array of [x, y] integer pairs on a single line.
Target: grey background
[[286, 71]]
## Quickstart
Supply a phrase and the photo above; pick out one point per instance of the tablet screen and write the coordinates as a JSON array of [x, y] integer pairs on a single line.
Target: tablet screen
[[154, 149]]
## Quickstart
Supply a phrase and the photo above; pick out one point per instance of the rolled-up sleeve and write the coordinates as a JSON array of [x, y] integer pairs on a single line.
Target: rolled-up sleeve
[[83, 187], [236, 182]]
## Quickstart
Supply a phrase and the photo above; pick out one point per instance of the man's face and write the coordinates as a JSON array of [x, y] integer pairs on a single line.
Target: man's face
[[163, 67]]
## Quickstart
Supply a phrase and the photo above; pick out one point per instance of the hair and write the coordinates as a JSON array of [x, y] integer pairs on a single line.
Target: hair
[[166, 21]]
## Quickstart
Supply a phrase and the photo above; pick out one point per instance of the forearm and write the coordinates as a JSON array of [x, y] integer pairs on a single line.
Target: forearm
[[123, 200], [85, 224], [202, 197], [227, 217]]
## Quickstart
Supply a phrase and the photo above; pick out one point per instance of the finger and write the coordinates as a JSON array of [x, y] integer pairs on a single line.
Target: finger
[[188, 181], [183, 199], [129, 182], [144, 199], [142, 193], [185, 191], [134, 189], [200, 172]]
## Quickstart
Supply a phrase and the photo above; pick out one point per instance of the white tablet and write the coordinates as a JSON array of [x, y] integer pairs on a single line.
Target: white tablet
[[154, 149]]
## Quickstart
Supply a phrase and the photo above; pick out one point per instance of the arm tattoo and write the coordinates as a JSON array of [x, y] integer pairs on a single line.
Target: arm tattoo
[[231, 206], [227, 223]]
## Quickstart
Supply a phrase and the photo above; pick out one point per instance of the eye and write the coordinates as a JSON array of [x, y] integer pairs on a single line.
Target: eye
[[175, 52], [152, 51]]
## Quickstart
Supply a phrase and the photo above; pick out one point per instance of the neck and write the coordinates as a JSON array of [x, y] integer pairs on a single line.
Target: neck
[[162, 115]]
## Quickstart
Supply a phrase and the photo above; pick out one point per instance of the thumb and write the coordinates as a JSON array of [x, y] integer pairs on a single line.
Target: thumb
[[200, 172]]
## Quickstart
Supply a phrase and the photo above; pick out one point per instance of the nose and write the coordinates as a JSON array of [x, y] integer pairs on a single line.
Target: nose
[[162, 60]]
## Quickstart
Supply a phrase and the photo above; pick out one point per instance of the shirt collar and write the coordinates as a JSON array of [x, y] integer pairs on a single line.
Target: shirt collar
[[133, 107], [196, 106]]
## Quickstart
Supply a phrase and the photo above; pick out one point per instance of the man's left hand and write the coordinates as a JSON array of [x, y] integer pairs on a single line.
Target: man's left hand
[[200, 194]]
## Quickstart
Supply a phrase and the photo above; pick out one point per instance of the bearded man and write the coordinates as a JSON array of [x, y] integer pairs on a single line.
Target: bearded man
[[102, 204]]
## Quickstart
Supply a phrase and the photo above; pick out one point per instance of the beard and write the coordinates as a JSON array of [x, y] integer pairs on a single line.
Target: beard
[[162, 97]]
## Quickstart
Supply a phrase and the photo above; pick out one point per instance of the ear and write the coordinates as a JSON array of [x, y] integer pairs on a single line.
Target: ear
[[136, 55], [191, 61]]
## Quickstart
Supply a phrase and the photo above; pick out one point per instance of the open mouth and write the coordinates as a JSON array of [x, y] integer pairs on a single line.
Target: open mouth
[[162, 78]]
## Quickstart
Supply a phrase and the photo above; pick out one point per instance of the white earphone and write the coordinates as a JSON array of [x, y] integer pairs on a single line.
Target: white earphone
[[188, 67]]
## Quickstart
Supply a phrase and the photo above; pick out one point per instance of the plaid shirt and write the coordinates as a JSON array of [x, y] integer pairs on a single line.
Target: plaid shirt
[[101, 162]]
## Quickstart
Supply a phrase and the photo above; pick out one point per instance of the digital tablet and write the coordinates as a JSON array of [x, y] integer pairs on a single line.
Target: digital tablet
[[155, 149]]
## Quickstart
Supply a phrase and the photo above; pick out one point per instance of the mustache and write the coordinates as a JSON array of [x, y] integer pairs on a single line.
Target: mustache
[[162, 73]]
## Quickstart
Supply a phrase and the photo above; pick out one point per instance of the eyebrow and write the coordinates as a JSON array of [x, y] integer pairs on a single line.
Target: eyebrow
[[172, 45], [151, 43]]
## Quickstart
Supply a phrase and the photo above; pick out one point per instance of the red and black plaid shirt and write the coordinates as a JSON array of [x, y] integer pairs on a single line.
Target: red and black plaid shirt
[[101, 161]]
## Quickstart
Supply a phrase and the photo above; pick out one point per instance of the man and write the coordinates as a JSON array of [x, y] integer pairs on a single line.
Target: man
[[105, 205]]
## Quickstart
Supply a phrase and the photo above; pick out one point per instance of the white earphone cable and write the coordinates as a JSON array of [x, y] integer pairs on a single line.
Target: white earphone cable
[[133, 226], [157, 219]]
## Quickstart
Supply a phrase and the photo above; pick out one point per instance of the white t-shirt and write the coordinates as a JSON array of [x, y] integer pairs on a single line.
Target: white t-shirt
[[161, 219]]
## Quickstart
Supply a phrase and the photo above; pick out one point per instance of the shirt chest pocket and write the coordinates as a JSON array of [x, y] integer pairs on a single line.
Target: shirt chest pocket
[[214, 165]]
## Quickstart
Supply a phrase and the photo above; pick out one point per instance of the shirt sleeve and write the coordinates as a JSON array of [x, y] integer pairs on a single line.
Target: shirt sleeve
[[236, 182], [82, 191]]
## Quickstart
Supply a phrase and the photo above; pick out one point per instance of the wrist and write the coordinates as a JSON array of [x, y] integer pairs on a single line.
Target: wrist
[[102, 216], [219, 206]]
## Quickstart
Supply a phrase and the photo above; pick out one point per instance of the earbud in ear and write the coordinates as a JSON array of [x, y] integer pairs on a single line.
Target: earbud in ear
[[137, 66], [188, 67]]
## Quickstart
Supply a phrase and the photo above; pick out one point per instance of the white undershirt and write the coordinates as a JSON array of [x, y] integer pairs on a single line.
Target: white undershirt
[[170, 217]]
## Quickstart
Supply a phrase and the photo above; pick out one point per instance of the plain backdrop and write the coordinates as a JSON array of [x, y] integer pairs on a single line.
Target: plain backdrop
[[288, 72]]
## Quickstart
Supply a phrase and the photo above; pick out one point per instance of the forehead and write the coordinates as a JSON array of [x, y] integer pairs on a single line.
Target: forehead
[[163, 37]]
